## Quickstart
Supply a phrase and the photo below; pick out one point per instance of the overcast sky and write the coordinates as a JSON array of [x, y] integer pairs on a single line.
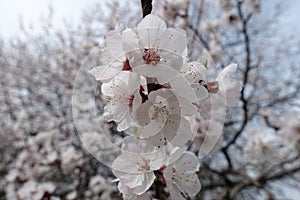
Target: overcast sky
[[32, 10]]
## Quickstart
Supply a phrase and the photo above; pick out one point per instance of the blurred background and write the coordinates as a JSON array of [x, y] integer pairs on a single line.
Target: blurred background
[[43, 44]]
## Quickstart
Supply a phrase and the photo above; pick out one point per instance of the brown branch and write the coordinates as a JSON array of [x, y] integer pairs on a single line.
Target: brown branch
[[200, 37], [246, 73], [146, 7]]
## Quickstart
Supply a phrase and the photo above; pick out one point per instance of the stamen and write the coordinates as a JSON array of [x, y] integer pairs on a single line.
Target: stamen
[[151, 56]]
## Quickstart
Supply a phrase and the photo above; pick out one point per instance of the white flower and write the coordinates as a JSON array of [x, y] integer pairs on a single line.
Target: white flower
[[191, 81], [98, 184], [72, 195], [171, 9], [263, 147], [121, 91], [134, 167], [114, 58], [100, 187], [34, 191], [181, 177], [155, 50], [253, 4], [162, 118], [70, 158], [290, 129], [224, 4], [210, 26]]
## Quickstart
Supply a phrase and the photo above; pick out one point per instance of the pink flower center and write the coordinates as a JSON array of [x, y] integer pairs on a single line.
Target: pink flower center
[[151, 56], [143, 164], [126, 66], [131, 97]]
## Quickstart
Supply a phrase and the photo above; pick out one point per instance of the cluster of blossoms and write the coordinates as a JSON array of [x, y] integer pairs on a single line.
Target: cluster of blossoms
[[173, 11], [152, 89], [216, 29], [269, 146]]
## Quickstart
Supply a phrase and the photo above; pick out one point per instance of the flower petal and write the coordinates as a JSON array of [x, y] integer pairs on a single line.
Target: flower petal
[[187, 162], [189, 184], [183, 134], [130, 40], [174, 191], [141, 115], [150, 29], [105, 73], [149, 178], [173, 40], [153, 128]]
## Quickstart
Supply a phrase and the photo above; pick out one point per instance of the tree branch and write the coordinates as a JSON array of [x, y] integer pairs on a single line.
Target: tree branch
[[246, 73], [146, 7]]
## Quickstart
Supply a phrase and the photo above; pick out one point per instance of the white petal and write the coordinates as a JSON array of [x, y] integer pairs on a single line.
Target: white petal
[[164, 93], [114, 44], [211, 139], [106, 89], [126, 122], [133, 180], [176, 153], [134, 145], [149, 178], [187, 162], [161, 71], [105, 73], [157, 140], [125, 163], [166, 73], [171, 127], [189, 184], [227, 72], [183, 88], [152, 21], [173, 40], [153, 128], [187, 108], [133, 82], [129, 40], [232, 93], [117, 112], [128, 81], [194, 72], [200, 91], [150, 29], [141, 114], [175, 193], [183, 134], [171, 59]]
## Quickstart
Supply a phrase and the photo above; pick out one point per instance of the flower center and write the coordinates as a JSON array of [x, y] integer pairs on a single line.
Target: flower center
[[130, 99], [122, 99], [151, 56], [143, 164], [160, 113], [126, 66]]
